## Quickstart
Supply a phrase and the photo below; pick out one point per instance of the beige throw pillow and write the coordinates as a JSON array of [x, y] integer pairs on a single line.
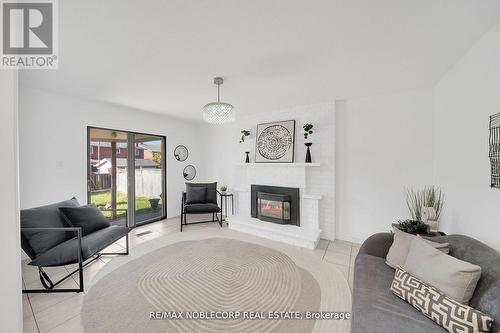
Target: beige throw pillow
[[453, 277], [401, 245]]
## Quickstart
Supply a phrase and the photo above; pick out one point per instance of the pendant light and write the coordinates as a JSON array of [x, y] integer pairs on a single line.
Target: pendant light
[[218, 112]]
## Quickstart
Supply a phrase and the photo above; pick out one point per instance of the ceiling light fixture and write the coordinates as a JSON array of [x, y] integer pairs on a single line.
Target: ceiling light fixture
[[218, 112]]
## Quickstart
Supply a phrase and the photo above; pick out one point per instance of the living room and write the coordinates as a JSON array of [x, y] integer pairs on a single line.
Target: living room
[[272, 142]]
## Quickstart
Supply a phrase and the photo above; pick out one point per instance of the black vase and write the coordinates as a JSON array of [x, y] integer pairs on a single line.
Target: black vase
[[247, 159], [308, 153]]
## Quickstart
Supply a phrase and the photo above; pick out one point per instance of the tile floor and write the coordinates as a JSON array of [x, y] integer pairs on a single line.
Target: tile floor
[[61, 312]]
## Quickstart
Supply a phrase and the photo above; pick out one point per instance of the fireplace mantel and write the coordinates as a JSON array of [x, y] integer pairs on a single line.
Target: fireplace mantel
[[287, 165], [275, 174]]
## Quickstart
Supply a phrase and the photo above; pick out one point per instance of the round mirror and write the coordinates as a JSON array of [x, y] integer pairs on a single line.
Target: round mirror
[[181, 153], [189, 172]]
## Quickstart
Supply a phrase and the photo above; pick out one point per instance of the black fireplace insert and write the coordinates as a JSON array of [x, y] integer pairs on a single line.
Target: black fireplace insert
[[275, 204]]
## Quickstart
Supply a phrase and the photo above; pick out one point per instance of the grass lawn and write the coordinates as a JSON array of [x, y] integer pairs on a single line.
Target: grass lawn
[[103, 198]]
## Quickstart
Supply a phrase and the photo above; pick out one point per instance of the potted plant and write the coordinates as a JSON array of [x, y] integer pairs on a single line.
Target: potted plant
[[244, 134], [428, 197], [223, 189], [425, 205], [307, 132], [412, 227], [154, 203]]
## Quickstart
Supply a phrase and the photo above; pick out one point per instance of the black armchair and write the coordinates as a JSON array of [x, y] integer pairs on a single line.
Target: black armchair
[[200, 198], [49, 240]]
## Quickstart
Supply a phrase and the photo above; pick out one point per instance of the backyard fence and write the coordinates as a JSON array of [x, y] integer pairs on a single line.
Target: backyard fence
[[147, 182], [100, 181]]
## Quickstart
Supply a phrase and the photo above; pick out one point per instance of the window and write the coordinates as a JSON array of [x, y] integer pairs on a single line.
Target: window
[[117, 151], [137, 152]]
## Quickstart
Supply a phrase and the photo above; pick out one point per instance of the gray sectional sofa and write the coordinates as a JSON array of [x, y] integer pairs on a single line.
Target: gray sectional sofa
[[376, 309]]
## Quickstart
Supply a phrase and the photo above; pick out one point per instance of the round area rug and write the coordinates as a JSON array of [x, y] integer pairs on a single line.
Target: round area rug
[[214, 277]]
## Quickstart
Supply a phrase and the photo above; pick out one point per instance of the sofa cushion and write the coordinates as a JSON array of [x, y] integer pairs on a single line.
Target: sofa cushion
[[454, 277], [401, 246], [487, 291], [202, 208], [66, 253], [46, 217], [375, 308], [445, 311], [211, 196], [485, 298], [88, 217], [196, 195]]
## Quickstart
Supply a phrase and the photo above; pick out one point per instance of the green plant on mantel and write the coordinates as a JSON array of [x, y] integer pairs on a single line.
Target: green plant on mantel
[[307, 130], [244, 133], [428, 197]]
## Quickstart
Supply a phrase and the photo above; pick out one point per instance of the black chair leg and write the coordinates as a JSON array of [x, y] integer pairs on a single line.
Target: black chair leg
[[44, 279], [220, 220]]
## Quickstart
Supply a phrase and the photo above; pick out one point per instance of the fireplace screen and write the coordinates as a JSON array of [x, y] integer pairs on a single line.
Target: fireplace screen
[[273, 206]]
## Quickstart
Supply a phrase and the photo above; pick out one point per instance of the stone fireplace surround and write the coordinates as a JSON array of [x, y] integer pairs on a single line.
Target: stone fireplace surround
[[292, 175]]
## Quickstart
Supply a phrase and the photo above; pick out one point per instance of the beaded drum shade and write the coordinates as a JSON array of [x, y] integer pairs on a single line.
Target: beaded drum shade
[[218, 112]]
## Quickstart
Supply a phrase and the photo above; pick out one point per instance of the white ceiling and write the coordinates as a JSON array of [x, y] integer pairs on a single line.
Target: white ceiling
[[162, 55]]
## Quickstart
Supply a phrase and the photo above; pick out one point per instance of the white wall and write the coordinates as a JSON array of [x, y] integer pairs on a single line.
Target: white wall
[[53, 145], [10, 254], [226, 151], [463, 101], [383, 144], [388, 142]]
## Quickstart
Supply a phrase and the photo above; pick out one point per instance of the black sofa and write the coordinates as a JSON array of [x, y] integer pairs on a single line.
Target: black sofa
[[50, 240], [376, 309]]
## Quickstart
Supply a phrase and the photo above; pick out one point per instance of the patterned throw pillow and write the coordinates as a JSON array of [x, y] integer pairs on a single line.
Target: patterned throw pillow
[[450, 314]]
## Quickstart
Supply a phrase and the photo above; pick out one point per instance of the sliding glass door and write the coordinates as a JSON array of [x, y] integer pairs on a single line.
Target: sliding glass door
[[149, 178], [126, 198], [107, 164]]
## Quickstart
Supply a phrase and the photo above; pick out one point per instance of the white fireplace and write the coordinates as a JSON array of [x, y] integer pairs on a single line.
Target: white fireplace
[[289, 175]]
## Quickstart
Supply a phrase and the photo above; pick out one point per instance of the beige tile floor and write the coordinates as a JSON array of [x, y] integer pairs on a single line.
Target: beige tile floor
[[61, 312]]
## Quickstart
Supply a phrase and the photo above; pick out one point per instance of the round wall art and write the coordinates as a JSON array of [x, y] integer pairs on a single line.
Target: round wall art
[[181, 153], [275, 142], [189, 172]]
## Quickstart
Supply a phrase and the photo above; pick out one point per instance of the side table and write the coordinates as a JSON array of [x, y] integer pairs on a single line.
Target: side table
[[223, 203]]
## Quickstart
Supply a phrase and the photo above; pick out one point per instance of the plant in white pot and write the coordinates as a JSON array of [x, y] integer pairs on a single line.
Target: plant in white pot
[[426, 205], [433, 199]]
